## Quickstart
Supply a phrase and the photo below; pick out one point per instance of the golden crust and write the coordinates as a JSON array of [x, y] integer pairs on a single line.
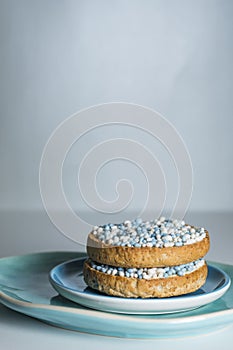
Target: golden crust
[[145, 256], [152, 288]]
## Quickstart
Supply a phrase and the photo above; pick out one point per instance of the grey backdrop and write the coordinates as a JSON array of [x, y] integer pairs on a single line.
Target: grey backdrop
[[58, 57]]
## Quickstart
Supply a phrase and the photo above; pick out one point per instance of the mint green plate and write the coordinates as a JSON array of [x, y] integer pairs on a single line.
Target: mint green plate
[[25, 287]]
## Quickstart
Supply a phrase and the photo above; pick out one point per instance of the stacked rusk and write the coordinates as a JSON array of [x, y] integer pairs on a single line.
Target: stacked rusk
[[147, 259]]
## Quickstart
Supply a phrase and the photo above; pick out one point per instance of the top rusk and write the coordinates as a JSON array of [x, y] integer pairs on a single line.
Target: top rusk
[[156, 243]]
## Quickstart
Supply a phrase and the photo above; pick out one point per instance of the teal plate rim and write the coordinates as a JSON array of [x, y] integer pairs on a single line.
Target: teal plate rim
[[25, 287]]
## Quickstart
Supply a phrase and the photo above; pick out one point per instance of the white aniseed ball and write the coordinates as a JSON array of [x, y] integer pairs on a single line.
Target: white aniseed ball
[[128, 223], [168, 244], [190, 241], [186, 236], [169, 238], [116, 239]]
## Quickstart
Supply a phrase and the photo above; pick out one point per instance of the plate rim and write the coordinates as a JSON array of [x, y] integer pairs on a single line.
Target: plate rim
[[111, 315]]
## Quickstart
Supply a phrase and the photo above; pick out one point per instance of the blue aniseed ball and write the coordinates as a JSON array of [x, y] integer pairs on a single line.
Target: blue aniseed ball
[[130, 270], [180, 273]]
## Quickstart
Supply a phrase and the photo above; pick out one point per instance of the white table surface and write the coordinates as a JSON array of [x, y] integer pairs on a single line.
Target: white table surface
[[22, 233]]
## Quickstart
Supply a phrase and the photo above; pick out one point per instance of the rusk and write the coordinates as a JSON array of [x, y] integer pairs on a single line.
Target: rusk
[[129, 287], [145, 256]]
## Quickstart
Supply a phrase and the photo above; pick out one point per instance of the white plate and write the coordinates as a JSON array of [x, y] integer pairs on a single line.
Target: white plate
[[67, 279]]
